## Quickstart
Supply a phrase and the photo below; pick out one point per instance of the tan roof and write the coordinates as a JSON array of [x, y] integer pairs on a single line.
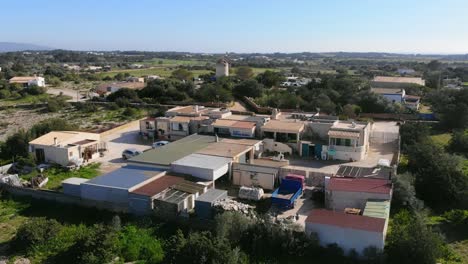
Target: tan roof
[[343, 134], [129, 85], [244, 124], [283, 126], [64, 138], [387, 90], [224, 149], [180, 119], [22, 79], [224, 123], [415, 80], [242, 141]]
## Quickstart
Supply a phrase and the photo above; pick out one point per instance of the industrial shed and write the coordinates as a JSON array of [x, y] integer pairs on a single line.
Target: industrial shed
[[341, 193], [346, 230], [254, 175], [204, 203], [141, 199], [114, 186], [205, 167], [162, 157], [72, 186], [178, 198]]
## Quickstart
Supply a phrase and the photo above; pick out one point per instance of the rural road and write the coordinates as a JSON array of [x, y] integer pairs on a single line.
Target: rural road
[[68, 92]]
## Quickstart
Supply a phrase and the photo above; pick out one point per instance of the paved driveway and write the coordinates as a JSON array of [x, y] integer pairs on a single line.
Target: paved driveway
[[119, 141]]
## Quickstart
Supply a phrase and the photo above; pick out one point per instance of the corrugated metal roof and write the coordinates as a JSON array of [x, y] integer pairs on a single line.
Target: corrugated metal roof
[[125, 177], [202, 161], [75, 180], [333, 218], [158, 185], [169, 153], [212, 195], [360, 185], [377, 208], [344, 134]]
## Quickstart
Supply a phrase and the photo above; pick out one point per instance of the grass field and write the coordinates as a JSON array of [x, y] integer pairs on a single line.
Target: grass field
[[10, 219], [166, 71], [425, 109], [170, 62], [57, 175], [29, 99], [442, 139]]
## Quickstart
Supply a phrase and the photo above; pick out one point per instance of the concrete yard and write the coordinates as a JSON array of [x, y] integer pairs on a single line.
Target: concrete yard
[[303, 206], [117, 142]]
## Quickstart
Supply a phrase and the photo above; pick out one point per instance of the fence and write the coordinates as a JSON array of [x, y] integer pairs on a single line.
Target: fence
[[61, 198]]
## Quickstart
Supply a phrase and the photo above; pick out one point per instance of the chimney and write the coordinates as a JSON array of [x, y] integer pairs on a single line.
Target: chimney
[[196, 108], [216, 138], [55, 141]]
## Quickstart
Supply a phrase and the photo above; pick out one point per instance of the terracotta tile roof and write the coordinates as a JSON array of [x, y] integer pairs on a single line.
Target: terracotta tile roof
[[244, 124], [22, 79], [181, 119], [415, 80], [387, 90], [158, 185], [328, 217], [283, 126], [360, 185], [345, 134], [224, 123]]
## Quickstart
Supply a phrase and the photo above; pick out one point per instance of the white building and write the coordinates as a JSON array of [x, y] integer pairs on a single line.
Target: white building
[[66, 147], [28, 81], [205, 167], [222, 67], [342, 193], [346, 230], [348, 141], [394, 95]]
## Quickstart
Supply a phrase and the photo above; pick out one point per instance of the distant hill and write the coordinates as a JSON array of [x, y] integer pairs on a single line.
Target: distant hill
[[14, 46]]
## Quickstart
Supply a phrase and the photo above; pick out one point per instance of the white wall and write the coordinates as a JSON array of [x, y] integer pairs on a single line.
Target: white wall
[[248, 178], [202, 173], [346, 238], [58, 155]]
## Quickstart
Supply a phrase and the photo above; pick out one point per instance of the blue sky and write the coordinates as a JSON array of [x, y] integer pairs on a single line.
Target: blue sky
[[410, 26]]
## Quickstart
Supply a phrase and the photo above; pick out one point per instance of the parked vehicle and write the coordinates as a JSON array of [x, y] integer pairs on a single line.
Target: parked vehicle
[[130, 153], [287, 193], [161, 143]]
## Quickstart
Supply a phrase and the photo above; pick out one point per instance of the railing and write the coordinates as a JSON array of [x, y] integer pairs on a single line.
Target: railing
[[346, 148]]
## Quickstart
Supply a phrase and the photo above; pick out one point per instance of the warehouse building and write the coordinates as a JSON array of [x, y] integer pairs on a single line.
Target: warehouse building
[[204, 203], [141, 199], [162, 157], [346, 230], [341, 193], [202, 166], [72, 186], [114, 187]]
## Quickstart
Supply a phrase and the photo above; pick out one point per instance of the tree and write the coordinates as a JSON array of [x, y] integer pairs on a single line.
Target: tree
[[404, 194], [413, 133], [36, 231], [244, 73], [123, 93], [137, 244], [440, 181], [249, 88], [459, 142], [412, 241], [351, 111], [182, 74], [270, 78]]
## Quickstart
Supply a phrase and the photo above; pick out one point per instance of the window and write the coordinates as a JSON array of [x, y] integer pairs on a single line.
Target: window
[[348, 142], [70, 154], [181, 128], [338, 141]]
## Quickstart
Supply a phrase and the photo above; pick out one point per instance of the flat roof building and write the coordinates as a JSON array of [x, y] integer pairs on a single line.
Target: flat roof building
[[346, 230], [163, 156], [205, 167]]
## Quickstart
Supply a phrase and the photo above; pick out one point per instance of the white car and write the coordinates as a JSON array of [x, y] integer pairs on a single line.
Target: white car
[[130, 153], [158, 144]]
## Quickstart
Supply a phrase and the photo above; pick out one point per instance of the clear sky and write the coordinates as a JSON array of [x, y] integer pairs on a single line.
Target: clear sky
[[410, 26]]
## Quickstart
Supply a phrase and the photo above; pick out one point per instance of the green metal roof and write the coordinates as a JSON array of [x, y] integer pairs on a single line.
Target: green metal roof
[[173, 151], [377, 208]]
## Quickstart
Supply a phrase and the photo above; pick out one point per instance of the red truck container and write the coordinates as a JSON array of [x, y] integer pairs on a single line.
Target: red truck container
[[296, 177]]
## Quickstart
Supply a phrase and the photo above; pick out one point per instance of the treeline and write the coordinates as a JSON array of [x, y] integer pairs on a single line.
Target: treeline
[[15, 147], [432, 182]]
